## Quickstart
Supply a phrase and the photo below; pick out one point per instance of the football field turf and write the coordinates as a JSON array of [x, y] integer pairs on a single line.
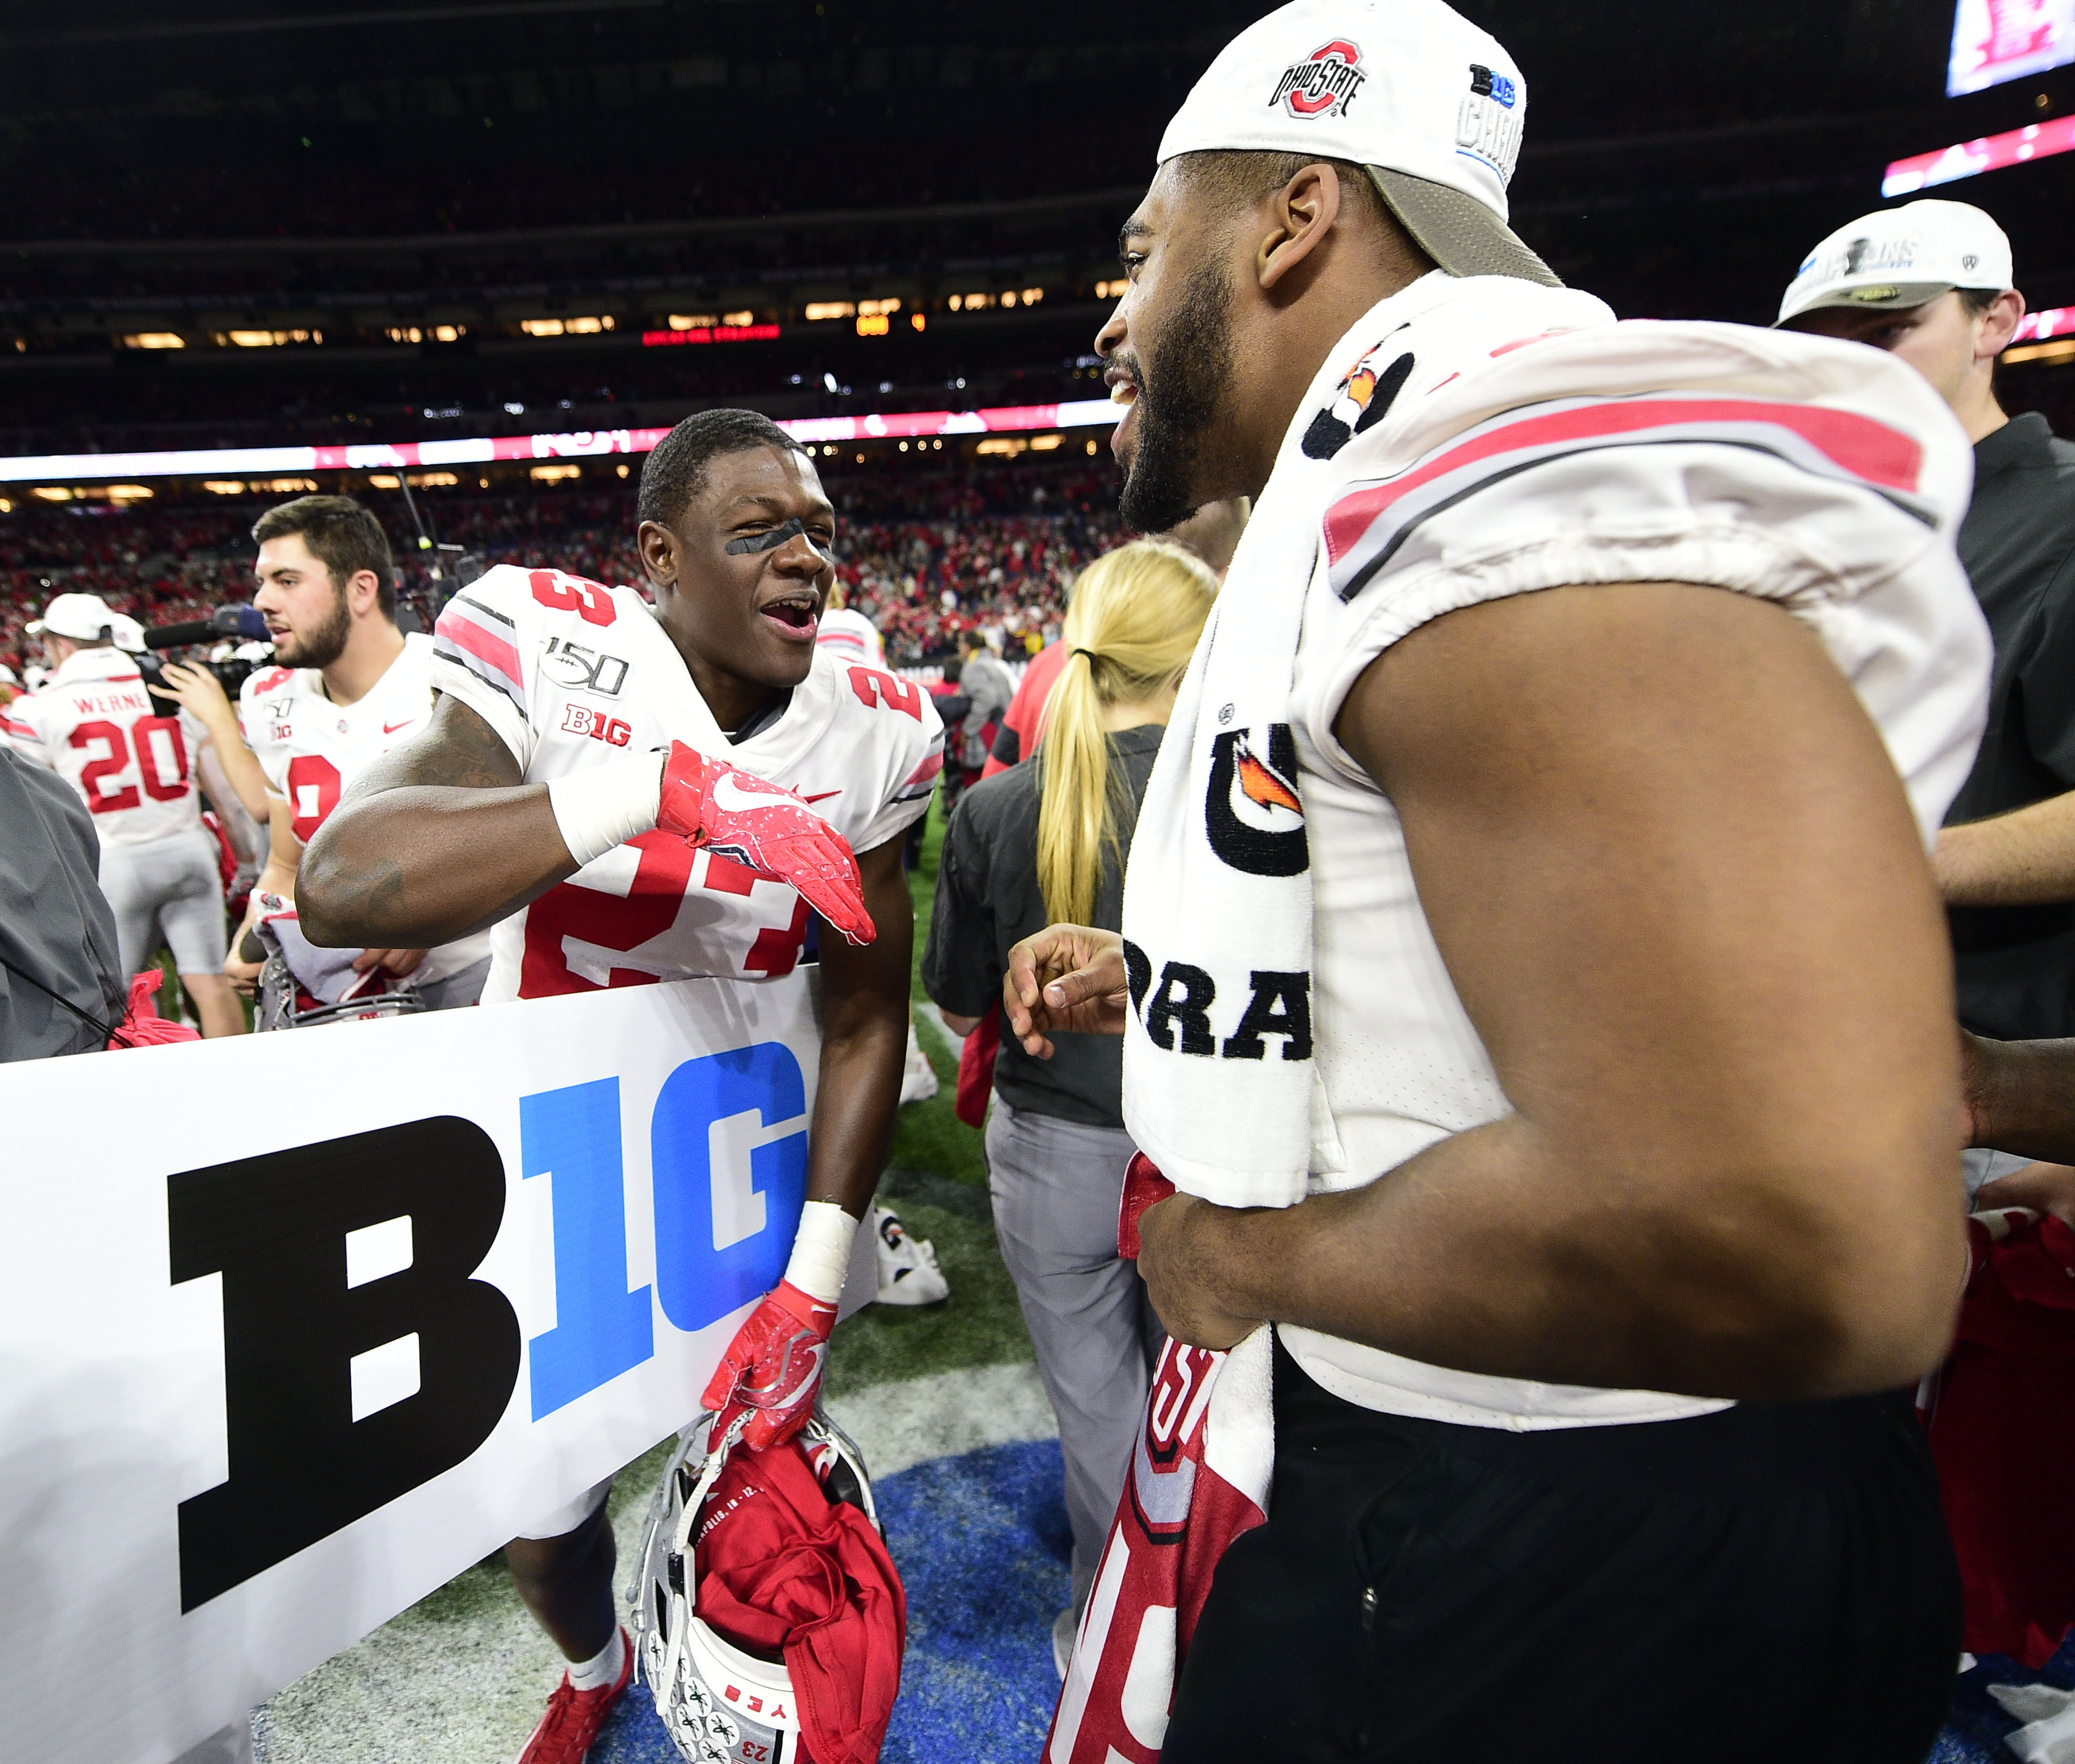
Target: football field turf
[[947, 1405]]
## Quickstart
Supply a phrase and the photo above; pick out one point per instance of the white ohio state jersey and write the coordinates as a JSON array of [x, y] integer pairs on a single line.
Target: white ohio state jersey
[[573, 674], [311, 749], [850, 636], [95, 726]]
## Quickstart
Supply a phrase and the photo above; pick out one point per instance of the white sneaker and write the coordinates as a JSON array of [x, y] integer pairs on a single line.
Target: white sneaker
[[2048, 1734], [1063, 1640], [918, 1079], [907, 1270]]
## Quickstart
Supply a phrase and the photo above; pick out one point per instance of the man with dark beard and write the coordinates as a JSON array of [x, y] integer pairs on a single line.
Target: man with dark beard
[[1534, 994], [348, 686]]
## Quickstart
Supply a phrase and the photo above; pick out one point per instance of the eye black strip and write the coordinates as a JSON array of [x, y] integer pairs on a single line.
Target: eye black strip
[[794, 529]]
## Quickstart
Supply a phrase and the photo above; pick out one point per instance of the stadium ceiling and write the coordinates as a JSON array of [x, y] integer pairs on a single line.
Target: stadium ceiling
[[149, 29]]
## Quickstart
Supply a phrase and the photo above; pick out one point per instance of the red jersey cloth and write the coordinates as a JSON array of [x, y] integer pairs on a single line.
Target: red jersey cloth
[[2002, 1432], [784, 1571], [1026, 714], [976, 1059], [144, 1027]]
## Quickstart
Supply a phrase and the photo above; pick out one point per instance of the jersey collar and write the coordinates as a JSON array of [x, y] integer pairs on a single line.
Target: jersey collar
[[96, 664]]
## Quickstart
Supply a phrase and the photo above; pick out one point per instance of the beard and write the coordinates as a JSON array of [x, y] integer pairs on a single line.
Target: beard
[[318, 648], [1188, 374]]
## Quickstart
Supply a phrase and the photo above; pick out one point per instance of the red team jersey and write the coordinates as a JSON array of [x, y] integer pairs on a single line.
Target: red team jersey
[[573, 674], [96, 727]]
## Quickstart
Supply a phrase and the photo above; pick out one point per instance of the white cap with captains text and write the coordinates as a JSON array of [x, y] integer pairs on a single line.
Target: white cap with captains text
[[1899, 258]]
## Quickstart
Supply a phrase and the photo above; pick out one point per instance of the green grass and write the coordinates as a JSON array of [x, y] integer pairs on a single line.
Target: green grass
[[930, 1136]]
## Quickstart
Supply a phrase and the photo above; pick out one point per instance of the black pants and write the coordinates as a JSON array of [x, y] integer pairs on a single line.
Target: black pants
[[1770, 1583]]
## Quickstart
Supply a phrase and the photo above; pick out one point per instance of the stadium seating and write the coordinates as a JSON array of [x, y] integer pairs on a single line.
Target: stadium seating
[[1002, 540]]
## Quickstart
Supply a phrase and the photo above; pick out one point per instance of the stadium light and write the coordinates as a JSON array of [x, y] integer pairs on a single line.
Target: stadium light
[[1969, 159], [2052, 321], [214, 461]]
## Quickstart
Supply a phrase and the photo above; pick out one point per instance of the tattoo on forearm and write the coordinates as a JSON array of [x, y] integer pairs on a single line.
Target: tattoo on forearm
[[376, 889]]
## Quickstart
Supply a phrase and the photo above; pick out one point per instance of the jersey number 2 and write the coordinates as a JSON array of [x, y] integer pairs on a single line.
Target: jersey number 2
[[648, 909], [117, 760]]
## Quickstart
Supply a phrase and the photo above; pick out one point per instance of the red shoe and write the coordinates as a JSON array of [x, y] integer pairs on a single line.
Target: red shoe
[[569, 1729]]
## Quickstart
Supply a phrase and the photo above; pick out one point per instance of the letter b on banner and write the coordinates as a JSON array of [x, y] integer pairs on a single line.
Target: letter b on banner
[[728, 1189], [276, 1228]]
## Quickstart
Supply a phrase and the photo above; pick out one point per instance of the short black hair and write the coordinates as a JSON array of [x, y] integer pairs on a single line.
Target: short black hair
[[1977, 300], [343, 537], [1232, 179], [676, 471]]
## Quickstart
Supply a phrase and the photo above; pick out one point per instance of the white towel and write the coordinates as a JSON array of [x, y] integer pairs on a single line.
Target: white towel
[[1217, 903]]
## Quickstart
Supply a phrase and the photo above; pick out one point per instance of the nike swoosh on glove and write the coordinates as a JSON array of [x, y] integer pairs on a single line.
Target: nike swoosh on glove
[[773, 1366], [767, 828]]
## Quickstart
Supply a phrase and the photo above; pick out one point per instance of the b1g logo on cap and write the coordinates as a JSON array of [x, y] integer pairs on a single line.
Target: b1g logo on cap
[[1488, 126], [1325, 82]]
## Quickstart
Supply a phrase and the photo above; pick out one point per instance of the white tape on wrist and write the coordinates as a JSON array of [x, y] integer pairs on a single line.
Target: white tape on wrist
[[607, 805], [821, 1251]]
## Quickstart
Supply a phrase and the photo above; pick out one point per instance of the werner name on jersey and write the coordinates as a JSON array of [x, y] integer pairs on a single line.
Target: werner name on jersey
[[572, 674], [95, 726]]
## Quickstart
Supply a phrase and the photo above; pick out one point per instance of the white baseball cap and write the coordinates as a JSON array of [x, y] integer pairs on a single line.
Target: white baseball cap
[[1899, 258], [1430, 104], [84, 618], [128, 634]]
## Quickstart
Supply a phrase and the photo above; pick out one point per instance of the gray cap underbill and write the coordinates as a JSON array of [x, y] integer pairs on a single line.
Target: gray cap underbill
[[1461, 234]]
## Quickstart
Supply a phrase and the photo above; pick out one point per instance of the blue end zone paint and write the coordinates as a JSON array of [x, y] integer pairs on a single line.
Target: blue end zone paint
[[1975, 1734], [983, 1545]]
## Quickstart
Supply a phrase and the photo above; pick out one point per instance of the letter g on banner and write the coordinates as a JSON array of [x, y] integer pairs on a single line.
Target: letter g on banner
[[295, 1322], [730, 1176]]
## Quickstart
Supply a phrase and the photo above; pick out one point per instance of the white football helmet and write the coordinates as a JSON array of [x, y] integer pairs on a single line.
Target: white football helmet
[[718, 1703]]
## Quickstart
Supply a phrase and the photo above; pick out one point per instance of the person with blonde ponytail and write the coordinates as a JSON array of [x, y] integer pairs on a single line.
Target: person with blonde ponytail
[[1041, 843]]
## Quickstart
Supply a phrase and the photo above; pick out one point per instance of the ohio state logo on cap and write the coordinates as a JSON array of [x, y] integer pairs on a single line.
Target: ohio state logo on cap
[[1325, 82]]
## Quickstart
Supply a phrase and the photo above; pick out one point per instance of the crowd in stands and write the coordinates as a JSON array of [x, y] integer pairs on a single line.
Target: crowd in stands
[[928, 555]]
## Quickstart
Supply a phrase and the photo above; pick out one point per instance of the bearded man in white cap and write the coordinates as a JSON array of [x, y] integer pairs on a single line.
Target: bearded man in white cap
[[1932, 282], [1532, 983]]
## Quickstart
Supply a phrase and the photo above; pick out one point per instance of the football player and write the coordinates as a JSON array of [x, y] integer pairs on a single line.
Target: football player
[[95, 725], [348, 687], [623, 793]]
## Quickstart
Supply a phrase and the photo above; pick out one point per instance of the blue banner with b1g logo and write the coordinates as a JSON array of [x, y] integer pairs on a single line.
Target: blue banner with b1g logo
[[293, 1328]]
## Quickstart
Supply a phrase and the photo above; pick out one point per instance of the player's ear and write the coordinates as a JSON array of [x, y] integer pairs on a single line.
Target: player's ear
[[364, 588], [658, 546], [1301, 213]]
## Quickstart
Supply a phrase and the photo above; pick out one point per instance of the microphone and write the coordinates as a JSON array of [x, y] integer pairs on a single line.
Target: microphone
[[224, 622]]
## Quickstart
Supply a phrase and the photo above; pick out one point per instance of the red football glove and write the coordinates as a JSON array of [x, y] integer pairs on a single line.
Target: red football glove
[[773, 1366], [765, 827]]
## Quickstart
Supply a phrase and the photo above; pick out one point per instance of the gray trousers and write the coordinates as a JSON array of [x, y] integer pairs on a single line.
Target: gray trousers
[[457, 990], [1056, 1185]]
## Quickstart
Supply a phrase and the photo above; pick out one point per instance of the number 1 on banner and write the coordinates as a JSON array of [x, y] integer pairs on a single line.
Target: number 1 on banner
[[572, 1138]]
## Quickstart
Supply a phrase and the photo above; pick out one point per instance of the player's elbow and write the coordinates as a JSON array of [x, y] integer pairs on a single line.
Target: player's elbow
[[1852, 1292], [324, 912], [339, 898]]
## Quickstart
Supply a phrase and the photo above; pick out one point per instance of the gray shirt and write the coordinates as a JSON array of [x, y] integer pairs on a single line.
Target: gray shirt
[[991, 688], [988, 900], [56, 930]]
